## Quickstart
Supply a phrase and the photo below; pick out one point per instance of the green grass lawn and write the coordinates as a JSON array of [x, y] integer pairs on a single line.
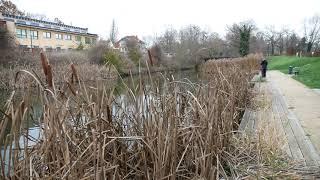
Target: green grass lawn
[[309, 68]]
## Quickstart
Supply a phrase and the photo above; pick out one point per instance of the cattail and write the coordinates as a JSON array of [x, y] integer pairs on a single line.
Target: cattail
[[71, 89], [44, 62], [150, 57], [74, 72], [22, 106], [72, 78], [49, 76], [109, 114]]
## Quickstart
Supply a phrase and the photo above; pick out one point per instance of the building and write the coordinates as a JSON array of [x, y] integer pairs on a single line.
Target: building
[[32, 33], [124, 43]]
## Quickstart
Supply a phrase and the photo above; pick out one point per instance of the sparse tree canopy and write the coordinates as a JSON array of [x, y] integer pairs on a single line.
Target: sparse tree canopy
[[168, 40], [7, 7], [312, 31], [270, 35], [190, 37]]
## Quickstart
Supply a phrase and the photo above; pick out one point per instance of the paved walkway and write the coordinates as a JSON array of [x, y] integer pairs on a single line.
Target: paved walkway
[[295, 111], [317, 91]]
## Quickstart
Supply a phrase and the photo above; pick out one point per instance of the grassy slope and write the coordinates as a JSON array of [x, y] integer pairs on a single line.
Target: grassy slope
[[309, 68]]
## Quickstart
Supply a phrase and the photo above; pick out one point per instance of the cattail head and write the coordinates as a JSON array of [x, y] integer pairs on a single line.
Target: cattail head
[[49, 76], [71, 89], [150, 57], [22, 106], [44, 62], [72, 78], [74, 72]]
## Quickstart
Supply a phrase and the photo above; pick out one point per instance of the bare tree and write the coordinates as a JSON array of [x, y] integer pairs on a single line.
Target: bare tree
[[7, 7], [258, 43], [281, 39], [312, 31], [113, 32], [270, 35], [215, 46], [292, 43], [232, 41], [168, 41], [190, 38]]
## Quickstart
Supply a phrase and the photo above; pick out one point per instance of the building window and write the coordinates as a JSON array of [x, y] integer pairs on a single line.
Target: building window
[[67, 37], [94, 40], [47, 35], [48, 48], [34, 34], [87, 40], [21, 22], [21, 33], [34, 24], [78, 38], [59, 36], [23, 46]]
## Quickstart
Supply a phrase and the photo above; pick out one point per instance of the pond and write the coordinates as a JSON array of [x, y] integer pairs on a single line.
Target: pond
[[33, 123]]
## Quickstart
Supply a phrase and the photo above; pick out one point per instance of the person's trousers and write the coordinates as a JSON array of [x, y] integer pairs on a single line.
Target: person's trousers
[[263, 72]]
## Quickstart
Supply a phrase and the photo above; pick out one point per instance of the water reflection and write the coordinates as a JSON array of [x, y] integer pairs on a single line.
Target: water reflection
[[121, 101], [119, 86]]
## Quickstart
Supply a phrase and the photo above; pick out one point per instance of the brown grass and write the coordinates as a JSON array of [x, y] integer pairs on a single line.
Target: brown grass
[[60, 69], [183, 131]]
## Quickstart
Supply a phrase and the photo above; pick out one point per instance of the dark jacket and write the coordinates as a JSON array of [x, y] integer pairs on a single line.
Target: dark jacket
[[264, 64]]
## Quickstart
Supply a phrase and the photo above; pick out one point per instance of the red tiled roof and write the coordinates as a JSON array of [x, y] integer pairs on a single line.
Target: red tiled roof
[[117, 44]]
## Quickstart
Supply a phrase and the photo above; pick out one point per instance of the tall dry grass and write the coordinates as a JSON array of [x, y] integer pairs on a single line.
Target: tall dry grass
[[60, 62], [170, 130]]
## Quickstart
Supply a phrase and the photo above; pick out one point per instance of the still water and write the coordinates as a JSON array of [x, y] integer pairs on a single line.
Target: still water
[[33, 123]]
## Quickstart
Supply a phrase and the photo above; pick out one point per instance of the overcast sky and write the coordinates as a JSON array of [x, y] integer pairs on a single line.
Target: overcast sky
[[150, 17]]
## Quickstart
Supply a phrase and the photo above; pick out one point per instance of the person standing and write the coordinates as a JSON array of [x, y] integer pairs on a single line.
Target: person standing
[[264, 65]]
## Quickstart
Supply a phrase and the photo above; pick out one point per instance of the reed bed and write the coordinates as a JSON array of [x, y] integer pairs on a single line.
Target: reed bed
[[60, 64], [91, 72], [168, 130]]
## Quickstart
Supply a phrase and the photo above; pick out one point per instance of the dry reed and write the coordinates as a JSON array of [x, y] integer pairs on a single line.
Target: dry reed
[[170, 130], [89, 72]]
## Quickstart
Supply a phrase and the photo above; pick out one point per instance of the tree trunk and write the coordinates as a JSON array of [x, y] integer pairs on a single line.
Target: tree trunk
[[272, 49], [309, 47]]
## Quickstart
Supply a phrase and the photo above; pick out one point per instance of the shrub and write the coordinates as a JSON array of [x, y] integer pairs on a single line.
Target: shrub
[[16, 56], [156, 53], [135, 55], [80, 47], [7, 40], [97, 52], [70, 56], [111, 57]]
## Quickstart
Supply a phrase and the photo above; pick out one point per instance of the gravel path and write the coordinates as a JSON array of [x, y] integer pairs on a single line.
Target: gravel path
[[303, 101]]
